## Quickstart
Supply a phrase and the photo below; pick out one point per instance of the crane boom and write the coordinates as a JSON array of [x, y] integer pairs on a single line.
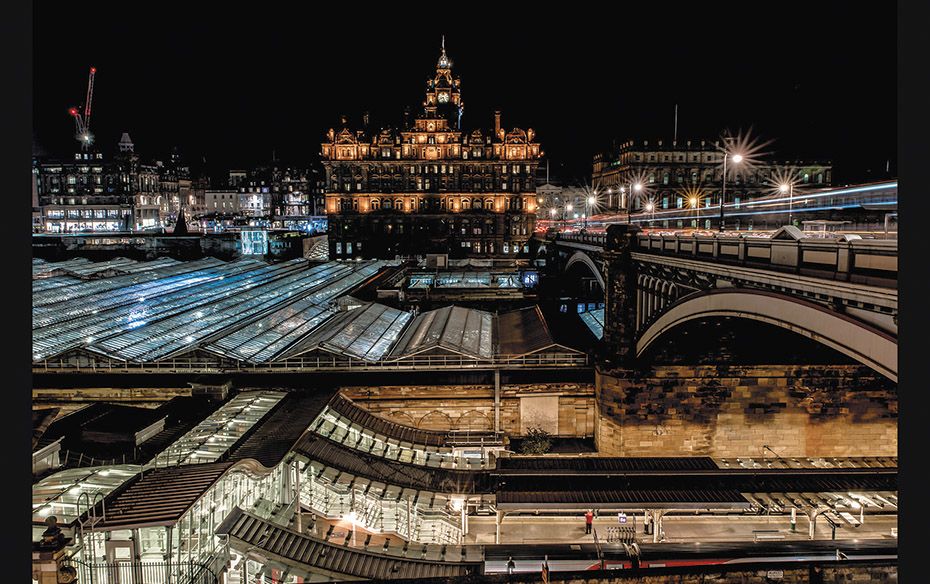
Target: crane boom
[[82, 123], [90, 97]]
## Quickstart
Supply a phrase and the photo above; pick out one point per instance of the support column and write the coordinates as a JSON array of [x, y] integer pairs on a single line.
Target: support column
[[497, 400], [621, 295], [297, 495], [169, 545], [498, 517]]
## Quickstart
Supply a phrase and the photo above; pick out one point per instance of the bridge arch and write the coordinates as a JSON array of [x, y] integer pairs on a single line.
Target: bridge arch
[[853, 338], [580, 256]]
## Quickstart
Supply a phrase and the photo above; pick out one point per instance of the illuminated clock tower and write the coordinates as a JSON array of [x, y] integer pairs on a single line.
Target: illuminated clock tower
[[431, 186], [444, 93]]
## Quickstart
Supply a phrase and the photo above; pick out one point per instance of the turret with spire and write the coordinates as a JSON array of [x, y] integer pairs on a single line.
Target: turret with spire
[[444, 92]]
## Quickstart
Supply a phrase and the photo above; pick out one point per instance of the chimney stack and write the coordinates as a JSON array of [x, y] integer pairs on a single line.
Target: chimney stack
[[497, 122]]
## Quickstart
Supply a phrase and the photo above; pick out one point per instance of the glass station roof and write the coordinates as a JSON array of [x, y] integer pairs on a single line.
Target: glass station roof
[[58, 494], [594, 320], [462, 330], [366, 332], [173, 308], [251, 311], [212, 437]]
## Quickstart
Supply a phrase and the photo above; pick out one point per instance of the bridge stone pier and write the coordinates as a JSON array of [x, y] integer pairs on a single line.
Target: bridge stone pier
[[834, 301]]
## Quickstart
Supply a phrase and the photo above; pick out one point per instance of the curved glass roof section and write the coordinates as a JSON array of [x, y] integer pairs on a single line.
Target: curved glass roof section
[[58, 494], [214, 436], [367, 332], [454, 328]]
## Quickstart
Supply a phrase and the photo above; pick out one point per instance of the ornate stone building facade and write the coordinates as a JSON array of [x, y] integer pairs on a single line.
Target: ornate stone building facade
[[674, 172], [431, 187]]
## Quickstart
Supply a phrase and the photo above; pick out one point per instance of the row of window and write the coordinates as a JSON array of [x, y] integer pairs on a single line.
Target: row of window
[[512, 204], [82, 213], [427, 184]]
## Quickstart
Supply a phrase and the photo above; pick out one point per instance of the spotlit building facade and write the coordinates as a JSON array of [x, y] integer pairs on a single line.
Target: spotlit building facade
[[432, 186]]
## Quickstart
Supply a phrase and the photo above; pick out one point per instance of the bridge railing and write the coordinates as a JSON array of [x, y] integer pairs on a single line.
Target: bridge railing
[[865, 261], [598, 239]]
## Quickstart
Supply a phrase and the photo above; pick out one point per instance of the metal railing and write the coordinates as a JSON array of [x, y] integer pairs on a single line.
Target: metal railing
[[317, 363], [143, 572], [872, 262], [137, 572]]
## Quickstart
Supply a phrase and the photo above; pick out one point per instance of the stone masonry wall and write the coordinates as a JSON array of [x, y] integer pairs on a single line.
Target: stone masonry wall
[[842, 410], [471, 407]]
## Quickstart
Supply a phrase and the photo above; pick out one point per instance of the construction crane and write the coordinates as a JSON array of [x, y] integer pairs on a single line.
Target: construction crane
[[82, 123]]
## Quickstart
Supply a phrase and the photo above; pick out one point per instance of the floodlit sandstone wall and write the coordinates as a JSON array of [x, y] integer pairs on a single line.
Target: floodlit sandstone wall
[[842, 410]]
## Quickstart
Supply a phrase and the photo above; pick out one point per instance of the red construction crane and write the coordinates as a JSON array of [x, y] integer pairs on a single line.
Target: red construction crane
[[82, 123]]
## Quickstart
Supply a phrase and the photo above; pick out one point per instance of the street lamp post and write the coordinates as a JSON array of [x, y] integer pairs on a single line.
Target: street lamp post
[[634, 188], [651, 209], [589, 204], [694, 205], [788, 188], [737, 158], [568, 208]]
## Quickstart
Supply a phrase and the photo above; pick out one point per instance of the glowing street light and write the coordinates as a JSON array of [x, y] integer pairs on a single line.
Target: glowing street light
[[589, 205], [736, 158]]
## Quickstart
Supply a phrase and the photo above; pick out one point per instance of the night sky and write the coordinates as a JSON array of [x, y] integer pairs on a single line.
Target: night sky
[[819, 78]]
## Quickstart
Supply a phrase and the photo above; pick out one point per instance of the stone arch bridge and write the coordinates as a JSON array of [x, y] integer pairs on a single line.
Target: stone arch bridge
[[839, 292]]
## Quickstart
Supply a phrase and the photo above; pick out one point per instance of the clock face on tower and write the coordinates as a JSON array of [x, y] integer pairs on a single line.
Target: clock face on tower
[[443, 98]]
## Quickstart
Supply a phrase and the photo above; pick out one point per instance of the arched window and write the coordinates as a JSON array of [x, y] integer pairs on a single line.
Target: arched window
[[375, 204], [466, 203]]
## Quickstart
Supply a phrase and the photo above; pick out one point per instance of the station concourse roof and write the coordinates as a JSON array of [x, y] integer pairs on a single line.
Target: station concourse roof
[[174, 308], [258, 313]]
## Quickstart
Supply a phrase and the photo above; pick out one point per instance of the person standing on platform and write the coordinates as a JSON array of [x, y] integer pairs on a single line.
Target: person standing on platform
[[588, 521]]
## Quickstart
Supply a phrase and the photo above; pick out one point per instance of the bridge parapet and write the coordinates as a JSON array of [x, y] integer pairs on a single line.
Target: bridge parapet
[[850, 259]]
